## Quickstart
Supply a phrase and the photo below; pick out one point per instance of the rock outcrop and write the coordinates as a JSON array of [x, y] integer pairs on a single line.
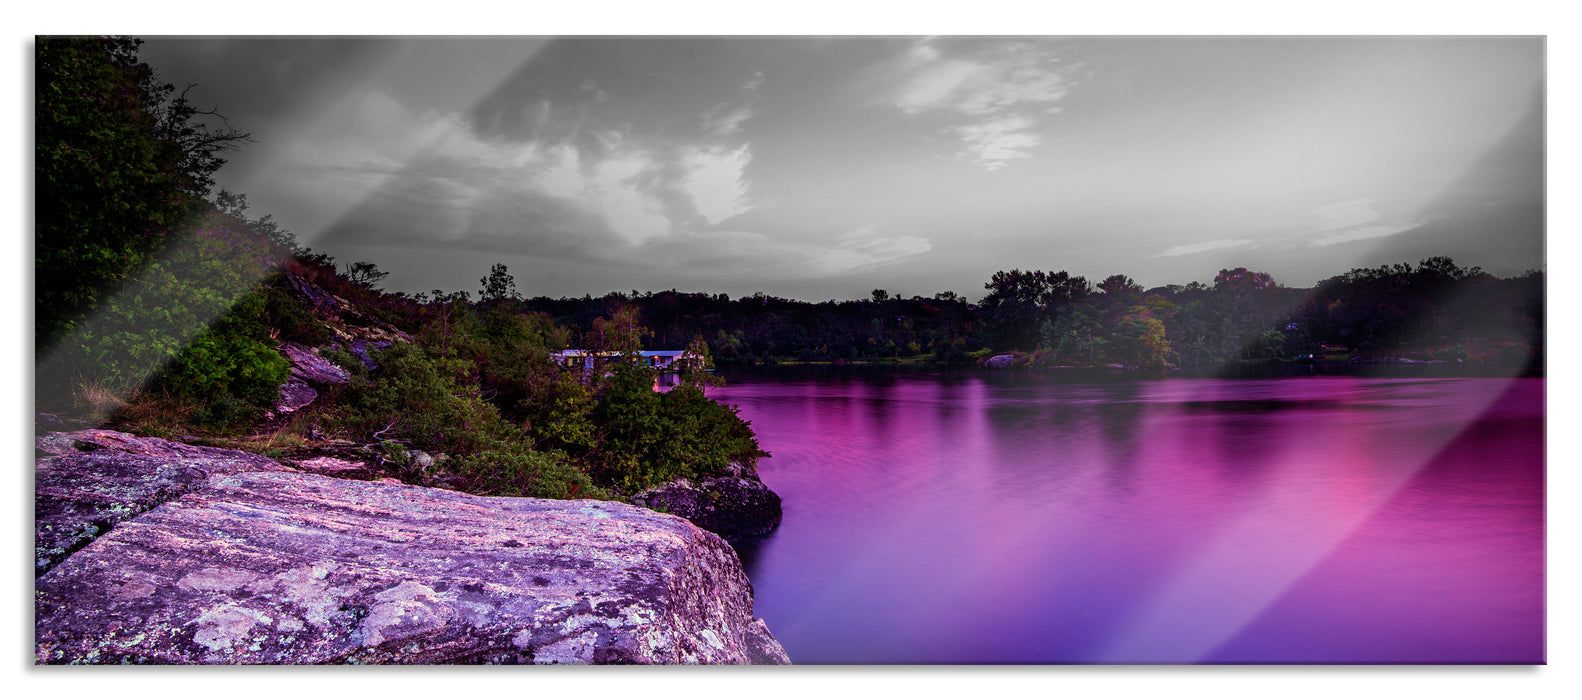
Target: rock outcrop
[[362, 349], [101, 439], [308, 370], [732, 506], [346, 322], [100, 478], [273, 567], [308, 366]]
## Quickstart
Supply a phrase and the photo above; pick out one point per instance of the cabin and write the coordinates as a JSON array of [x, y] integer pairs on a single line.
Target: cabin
[[662, 360]]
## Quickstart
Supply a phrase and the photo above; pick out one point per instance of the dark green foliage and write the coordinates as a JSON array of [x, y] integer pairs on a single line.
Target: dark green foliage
[[344, 359], [558, 413], [1018, 302], [107, 191], [762, 329], [420, 399], [192, 318], [647, 438], [136, 277], [498, 286], [228, 360], [517, 471], [226, 415], [290, 317]]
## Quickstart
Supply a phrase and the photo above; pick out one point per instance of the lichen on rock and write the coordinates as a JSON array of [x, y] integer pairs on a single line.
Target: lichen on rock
[[289, 568]]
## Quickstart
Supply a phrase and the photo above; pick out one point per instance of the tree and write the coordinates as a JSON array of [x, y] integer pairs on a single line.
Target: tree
[[178, 121], [1018, 302], [107, 191], [1271, 343], [363, 273], [498, 286], [235, 205], [120, 162], [699, 365], [1120, 291], [1139, 342]]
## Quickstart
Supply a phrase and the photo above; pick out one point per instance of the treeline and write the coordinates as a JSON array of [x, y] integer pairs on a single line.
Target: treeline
[[1436, 309], [763, 329], [161, 307]]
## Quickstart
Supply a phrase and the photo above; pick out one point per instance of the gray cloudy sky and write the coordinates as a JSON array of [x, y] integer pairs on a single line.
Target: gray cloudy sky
[[823, 168]]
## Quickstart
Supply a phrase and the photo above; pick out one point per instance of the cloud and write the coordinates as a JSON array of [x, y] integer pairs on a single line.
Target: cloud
[[1343, 222], [703, 254], [587, 192], [1352, 212], [866, 253], [1362, 233], [1201, 247], [722, 122], [715, 179], [425, 179], [991, 143], [998, 95]]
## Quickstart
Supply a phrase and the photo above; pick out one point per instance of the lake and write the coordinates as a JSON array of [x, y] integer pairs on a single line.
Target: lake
[[964, 517]]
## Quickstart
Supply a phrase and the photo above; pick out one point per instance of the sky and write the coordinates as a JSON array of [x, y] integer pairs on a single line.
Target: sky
[[823, 168]]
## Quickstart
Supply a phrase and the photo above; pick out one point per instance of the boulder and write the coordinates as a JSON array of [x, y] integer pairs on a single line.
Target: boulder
[[731, 506], [79, 496], [307, 366], [1000, 361], [283, 568], [295, 394]]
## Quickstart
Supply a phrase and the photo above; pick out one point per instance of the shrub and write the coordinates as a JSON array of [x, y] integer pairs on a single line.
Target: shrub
[[518, 471], [191, 319], [416, 398], [648, 438]]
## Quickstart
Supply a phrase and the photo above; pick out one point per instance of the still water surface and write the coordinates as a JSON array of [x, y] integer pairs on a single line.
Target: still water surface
[[1026, 518]]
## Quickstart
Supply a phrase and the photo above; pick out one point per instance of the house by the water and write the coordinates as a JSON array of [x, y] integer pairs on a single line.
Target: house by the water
[[662, 360]]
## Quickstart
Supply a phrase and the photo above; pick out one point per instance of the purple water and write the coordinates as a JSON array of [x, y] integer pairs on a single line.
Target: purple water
[[1022, 518]]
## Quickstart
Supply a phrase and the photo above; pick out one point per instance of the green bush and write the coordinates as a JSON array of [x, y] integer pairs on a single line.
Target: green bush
[[231, 359], [226, 414], [287, 314], [191, 320], [519, 471], [647, 438], [415, 397]]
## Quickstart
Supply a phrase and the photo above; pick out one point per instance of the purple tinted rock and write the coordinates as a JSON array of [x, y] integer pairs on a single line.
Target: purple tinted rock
[[362, 348], [215, 460], [314, 295], [338, 468], [730, 506], [79, 496], [275, 568], [295, 394], [309, 367], [1000, 361]]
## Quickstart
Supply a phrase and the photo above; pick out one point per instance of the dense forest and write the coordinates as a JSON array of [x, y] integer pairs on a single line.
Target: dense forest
[[161, 304], [1435, 310]]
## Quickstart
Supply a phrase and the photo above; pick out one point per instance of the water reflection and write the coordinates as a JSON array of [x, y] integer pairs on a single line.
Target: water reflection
[[971, 518]]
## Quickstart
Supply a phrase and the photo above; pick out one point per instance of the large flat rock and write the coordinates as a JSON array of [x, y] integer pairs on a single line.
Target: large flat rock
[[287, 568], [99, 478]]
